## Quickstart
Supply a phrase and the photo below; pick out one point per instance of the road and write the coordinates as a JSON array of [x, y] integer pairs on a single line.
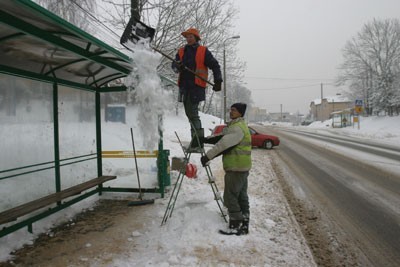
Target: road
[[354, 185]]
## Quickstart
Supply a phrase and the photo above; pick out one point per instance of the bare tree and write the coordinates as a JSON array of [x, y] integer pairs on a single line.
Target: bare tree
[[72, 11], [371, 65], [239, 93], [116, 13]]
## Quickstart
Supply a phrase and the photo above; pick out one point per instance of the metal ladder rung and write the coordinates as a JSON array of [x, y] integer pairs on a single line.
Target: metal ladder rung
[[217, 196]]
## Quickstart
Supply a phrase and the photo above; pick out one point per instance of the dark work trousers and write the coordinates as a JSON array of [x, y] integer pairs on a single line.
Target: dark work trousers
[[192, 113], [235, 195]]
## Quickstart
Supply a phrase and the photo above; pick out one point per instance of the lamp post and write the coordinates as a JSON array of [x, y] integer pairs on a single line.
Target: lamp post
[[233, 37]]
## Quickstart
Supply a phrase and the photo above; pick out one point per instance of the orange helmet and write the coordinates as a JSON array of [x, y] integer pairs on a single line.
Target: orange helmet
[[193, 31]]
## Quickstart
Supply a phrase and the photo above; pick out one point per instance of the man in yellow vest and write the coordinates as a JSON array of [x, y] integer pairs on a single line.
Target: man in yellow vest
[[199, 59], [235, 147]]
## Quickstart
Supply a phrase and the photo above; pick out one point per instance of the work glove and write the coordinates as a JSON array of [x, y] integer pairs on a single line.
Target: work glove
[[177, 66], [213, 139], [204, 160], [217, 86]]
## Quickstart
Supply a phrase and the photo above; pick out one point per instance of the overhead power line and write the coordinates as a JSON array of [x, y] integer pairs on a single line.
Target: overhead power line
[[287, 88], [288, 79]]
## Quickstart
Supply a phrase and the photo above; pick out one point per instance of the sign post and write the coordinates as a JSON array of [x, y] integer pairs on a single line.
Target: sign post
[[358, 108]]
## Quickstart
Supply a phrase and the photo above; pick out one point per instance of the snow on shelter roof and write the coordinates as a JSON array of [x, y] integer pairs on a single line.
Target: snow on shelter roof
[[37, 44]]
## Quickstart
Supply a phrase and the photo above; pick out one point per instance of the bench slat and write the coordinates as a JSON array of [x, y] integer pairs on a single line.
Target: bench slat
[[14, 213]]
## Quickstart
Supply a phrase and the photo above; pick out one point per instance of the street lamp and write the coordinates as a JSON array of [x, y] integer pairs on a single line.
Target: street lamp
[[233, 37]]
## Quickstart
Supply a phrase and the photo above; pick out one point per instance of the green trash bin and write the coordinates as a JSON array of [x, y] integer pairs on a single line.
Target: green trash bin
[[167, 180]]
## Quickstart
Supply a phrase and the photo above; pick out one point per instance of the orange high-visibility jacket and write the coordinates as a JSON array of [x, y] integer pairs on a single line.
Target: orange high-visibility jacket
[[201, 68]]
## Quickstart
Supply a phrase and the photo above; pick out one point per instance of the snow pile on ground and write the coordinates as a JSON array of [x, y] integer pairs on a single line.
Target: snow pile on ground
[[385, 129], [376, 128], [321, 124]]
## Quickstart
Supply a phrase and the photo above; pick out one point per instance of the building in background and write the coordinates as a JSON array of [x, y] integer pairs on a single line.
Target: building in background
[[322, 110], [255, 114]]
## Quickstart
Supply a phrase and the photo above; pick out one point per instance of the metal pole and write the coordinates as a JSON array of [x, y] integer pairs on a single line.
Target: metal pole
[[322, 92], [224, 85], [233, 37], [56, 140]]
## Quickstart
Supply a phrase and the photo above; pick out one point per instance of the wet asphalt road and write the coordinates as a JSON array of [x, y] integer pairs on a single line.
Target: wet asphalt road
[[363, 200]]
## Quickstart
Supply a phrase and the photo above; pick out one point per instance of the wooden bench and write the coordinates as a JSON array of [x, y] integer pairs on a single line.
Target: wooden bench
[[14, 213]]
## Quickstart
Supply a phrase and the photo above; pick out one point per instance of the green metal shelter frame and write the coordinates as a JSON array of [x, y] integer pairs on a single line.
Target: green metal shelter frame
[[38, 45], [342, 118]]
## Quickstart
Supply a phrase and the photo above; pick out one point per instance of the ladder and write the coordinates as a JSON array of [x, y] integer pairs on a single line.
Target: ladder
[[175, 192]]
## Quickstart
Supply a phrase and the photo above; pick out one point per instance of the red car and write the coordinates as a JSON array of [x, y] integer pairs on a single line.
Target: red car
[[257, 139]]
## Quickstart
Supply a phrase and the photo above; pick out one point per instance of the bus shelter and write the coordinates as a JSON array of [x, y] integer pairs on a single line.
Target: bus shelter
[[342, 118], [52, 76]]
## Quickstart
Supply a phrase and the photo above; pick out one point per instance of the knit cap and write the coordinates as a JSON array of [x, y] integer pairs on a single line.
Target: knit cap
[[241, 107]]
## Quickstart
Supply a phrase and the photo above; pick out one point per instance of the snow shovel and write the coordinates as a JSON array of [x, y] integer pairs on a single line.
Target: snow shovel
[[136, 31], [141, 201]]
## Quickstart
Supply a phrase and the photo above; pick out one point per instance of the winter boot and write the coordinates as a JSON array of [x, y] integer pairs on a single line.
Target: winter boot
[[196, 145], [245, 226], [234, 228]]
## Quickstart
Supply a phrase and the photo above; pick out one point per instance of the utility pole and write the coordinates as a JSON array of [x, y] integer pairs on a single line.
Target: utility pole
[[322, 91], [281, 112], [232, 37], [224, 58]]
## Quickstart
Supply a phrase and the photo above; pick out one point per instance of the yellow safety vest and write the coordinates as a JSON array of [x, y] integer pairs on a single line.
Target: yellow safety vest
[[239, 157]]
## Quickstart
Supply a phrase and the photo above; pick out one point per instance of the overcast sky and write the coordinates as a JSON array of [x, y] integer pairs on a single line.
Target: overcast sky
[[297, 43]]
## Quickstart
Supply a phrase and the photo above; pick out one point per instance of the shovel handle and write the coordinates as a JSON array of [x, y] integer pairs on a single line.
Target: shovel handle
[[136, 165], [186, 68]]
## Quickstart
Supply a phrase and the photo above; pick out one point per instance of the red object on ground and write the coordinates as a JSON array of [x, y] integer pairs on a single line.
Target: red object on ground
[[191, 170]]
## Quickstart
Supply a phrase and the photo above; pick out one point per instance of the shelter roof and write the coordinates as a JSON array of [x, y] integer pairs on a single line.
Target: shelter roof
[[37, 44]]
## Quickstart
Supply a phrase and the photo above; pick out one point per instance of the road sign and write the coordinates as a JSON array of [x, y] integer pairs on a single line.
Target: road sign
[[358, 109], [358, 102]]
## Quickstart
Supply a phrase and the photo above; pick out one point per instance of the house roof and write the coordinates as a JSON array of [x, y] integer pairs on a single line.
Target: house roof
[[37, 44], [331, 99]]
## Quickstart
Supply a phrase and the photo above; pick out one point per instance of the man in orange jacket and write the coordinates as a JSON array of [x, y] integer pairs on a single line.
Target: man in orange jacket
[[199, 59]]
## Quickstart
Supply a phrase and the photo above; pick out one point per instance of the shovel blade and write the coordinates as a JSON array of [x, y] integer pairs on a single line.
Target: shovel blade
[[136, 31], [141, 202]]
